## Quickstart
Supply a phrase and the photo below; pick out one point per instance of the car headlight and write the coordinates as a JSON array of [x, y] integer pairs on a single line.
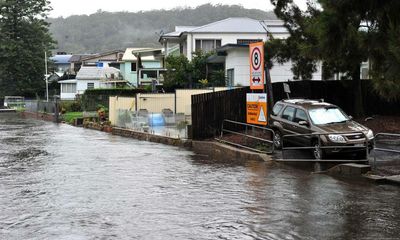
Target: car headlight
[[336, 138], [370, 134]]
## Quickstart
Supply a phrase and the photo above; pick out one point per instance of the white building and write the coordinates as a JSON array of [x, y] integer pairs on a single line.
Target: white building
[[93, 77], [230, 38]]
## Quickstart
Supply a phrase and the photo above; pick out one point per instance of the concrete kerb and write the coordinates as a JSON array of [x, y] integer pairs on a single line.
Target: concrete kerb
[[151, 138], [215, 150], [224, 152], [363, 171]]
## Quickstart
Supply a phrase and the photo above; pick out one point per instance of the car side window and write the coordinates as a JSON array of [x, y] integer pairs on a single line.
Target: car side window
[[277, 108], [300, 116], [288, 113]]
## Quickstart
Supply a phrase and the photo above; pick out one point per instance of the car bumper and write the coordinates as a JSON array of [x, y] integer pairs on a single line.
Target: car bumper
[[349, 148]]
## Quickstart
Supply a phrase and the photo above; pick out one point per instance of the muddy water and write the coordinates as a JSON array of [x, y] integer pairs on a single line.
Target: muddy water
[[60, 182]]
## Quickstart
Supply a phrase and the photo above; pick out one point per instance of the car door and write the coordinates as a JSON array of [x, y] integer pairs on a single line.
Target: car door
[[301, 116], [288, 124]]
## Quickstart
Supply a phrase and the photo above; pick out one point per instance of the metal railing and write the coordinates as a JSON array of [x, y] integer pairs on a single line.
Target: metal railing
[[246, 135], [388, 150], [317, 136]]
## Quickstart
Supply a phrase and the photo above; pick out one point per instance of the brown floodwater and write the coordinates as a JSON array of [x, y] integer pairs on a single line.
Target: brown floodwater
[[61, 182]]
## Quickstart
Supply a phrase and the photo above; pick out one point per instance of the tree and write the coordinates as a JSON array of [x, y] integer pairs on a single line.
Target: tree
[[177, 69], [24, 40], [342, 35], [183, 73], [329, 33]]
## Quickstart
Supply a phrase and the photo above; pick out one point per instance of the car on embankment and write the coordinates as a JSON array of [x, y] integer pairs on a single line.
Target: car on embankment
[[322, 127]]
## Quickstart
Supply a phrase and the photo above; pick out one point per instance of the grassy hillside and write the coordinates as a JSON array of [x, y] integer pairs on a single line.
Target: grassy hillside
[[104, 31]]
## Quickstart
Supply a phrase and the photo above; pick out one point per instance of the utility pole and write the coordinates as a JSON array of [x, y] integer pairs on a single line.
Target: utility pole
[[47, 80]]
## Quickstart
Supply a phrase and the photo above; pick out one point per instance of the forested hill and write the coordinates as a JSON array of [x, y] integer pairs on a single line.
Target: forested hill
[[105, 31]]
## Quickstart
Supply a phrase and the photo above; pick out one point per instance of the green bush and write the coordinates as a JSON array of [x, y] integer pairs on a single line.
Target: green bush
[[123, 92], [71, 106], [92, 98]]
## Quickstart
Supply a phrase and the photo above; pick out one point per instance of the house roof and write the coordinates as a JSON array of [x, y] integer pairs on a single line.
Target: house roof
[[231, 46], [61, 59], [68, 81], [78, 57], [96, 73], [275, 26], [179, 30], [101, 54], [232, 25], [220, 55], [129, 55]]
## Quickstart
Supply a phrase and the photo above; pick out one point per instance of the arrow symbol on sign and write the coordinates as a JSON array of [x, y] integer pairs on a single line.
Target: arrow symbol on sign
[[256, 79]]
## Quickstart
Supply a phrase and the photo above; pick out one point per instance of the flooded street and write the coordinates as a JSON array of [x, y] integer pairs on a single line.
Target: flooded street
[[61, 182]]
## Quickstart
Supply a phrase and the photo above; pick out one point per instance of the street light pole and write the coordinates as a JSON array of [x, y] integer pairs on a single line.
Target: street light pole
[[47, 80]]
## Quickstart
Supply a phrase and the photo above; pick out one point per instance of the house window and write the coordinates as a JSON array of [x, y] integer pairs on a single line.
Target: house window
[[68, 88], [148, 74], [364, 73], [248, 41], [230, 77], [114, 65], [133, 67], [207, 45], [90, 86]]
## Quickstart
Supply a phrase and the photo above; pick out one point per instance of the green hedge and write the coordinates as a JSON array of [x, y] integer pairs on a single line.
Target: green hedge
[[123, 92], [71, 106], [92, 98]]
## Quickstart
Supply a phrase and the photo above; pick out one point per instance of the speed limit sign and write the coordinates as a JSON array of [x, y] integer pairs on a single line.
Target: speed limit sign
[[257, 66]]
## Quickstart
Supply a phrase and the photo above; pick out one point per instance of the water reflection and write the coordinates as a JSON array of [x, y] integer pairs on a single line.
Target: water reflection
[[60, 182]]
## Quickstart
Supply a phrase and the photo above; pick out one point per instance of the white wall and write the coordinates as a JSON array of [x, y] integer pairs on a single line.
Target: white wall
[[281, 72], [82, 85], [226, 38], [238, 59], [67, 96]]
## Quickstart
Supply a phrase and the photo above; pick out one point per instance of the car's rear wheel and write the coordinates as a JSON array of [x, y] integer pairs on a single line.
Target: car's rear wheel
[[317, 152], [278, 139]]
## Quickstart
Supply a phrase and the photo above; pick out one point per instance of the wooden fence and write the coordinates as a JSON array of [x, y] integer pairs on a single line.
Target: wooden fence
[[210, 109]]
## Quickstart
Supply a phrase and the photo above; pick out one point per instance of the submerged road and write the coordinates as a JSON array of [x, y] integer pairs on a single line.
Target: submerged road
[[61, 182]]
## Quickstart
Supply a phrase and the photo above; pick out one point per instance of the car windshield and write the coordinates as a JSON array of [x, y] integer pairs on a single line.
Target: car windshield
[[327, 115]]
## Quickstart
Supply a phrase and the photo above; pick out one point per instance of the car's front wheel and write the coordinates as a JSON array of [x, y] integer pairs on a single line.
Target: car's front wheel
[[278, 139], [318, 153]]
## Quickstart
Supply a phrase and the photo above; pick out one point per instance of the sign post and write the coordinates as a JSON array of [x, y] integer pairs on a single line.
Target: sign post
[[257, 74], [256, 105]]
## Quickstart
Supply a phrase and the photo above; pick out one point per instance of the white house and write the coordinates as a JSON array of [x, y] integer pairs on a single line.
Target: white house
[[230, 38], [92, 77]]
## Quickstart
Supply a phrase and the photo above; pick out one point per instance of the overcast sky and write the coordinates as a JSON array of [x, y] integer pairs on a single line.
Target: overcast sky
[[77, 7]]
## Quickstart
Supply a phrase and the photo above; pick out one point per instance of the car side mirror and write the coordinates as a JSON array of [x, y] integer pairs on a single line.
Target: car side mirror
[[350, 117], [304, 123]]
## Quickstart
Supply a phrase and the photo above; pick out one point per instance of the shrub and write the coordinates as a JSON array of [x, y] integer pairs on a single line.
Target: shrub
[[71, 106]]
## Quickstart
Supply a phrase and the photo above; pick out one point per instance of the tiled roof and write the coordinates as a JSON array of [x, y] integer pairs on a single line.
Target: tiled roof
[[61, 59], [232, 25], [96, 73], [78, 57], [129, 56]]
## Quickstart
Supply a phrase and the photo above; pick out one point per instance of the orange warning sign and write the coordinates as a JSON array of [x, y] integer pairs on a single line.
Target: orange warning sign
[[257, 108]]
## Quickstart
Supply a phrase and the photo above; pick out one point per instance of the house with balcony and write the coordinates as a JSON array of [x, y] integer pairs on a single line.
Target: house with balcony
[[143, 66], [91, 77], [230, 39]]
